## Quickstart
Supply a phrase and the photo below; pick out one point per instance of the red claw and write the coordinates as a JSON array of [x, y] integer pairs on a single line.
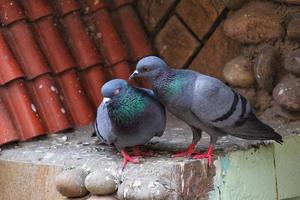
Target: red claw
[[207, 155], [127, 158], [188, 153]]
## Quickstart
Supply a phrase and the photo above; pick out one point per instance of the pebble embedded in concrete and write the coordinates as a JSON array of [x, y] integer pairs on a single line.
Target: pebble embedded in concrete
[[102, 198], [287, 93], [263, 100], [265, 67], [293, 26], [292, 62], [101, 183], [70, 183], [142, 189], [238, 72]]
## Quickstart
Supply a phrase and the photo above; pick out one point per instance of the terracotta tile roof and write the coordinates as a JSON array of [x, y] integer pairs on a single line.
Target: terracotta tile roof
[[54, 57]]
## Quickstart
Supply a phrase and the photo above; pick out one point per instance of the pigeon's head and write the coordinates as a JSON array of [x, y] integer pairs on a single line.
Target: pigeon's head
[[149, 67], [113, 88]]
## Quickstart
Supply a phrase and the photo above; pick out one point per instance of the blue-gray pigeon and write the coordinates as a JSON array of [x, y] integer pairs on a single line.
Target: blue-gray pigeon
[[128, 117], [204, 103]]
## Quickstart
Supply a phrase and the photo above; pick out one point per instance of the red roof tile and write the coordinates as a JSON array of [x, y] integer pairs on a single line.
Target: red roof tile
[[36, 9], [46, 98], [114, 4], [82, 46], [9, 69], [121, 70], [133, 33], [24, 112], [7, 127], [110, 42], [93, 78], [74, 98], [27, 50], [64, 7], [53, 45], [90, 6], [43, 60], [10, 11]]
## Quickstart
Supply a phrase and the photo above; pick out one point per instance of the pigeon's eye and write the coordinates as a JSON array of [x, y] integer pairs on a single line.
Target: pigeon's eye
[[117, 91], [145, 69]]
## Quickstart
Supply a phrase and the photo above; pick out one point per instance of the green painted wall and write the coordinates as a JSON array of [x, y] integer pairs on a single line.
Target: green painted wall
[[268, 173]]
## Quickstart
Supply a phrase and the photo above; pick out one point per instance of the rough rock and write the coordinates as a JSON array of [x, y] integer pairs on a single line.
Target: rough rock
[[175, 43], [292, 62], [101, 183], [293, 26], [238, 72], [70, 183], [290, 1], [142, 189], [102, 198], [219, 49], [234, 4], [263, 100], [201, 12], [151, 12], [254, 23], [276, 113], [265, 67], [287, 93]]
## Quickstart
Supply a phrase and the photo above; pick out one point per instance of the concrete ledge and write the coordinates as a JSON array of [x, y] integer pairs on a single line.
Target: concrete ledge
[[242, 169]]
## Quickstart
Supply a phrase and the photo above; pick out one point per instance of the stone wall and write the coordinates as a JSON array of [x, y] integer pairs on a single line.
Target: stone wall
[[179, 30], [251, 45]]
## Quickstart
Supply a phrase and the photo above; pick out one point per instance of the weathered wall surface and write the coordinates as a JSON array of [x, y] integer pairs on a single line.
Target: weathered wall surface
[[269, 173], [24, 181]]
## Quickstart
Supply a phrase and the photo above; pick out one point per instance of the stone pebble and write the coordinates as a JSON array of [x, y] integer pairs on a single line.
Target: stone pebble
[[238, 72], [142, 189], [265, 67], [101, 183], [101, 198], [70, 183], [287, 93], [292, 62]]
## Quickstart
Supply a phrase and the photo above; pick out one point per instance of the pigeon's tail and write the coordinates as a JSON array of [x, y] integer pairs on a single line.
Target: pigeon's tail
[[252, 128]]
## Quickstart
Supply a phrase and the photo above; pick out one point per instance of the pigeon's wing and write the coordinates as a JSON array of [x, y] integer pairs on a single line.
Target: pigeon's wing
[[220, 106], [217, 104], [103, 126]]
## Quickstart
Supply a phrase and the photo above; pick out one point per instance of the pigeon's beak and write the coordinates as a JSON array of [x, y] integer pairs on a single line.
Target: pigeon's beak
[[134, 74], [106, 99]]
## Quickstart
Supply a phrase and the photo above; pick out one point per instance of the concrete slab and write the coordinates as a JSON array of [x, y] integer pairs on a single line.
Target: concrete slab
[[287, 164]]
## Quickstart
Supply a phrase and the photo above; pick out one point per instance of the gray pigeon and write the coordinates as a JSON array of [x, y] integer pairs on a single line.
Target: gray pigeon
[[204, 103], [128, 116]]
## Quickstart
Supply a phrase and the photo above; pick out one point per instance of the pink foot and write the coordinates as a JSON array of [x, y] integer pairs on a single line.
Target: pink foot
[[207, 155], [188, 153], [127, 158], [138, 152]]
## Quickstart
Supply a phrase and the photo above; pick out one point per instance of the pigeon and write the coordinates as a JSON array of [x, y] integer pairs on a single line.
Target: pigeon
[[204, 103], [128, 116]]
